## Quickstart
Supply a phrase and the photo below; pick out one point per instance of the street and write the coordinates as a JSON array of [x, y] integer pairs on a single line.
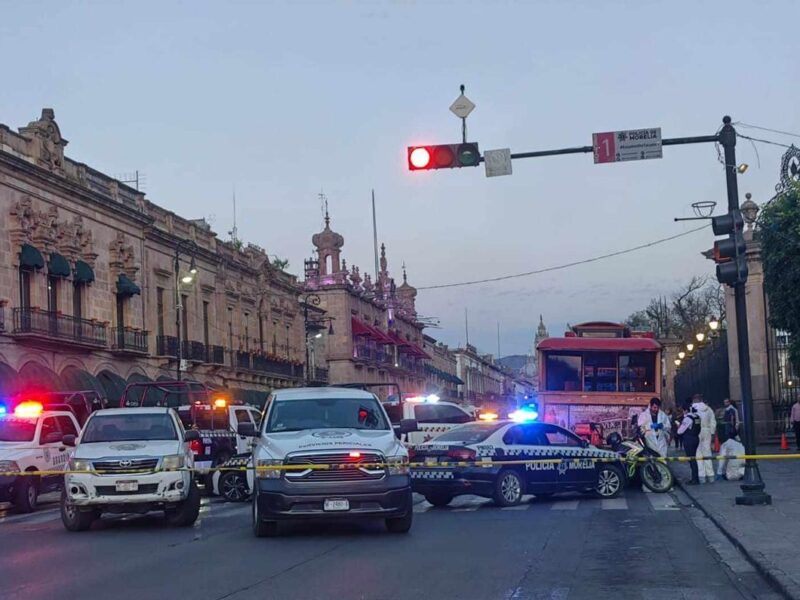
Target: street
[[567, 548]]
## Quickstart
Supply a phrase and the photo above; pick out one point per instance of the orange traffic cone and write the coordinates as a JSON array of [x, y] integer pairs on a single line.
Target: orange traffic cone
[[716, 443], [784, 442]]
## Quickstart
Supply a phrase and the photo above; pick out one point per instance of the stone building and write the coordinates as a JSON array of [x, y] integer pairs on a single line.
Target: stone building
[[485, 381], [376, 337], [88, 285], [441, 370]]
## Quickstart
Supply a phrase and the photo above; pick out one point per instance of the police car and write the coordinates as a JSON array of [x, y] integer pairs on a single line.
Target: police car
[[509, 440], [30, 440]]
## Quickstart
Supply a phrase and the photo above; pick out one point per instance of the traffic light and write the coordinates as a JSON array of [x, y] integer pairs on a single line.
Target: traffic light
[[729, 254], [443, 156]]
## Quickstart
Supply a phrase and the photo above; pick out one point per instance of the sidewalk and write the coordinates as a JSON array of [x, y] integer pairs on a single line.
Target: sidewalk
[[768, 535]]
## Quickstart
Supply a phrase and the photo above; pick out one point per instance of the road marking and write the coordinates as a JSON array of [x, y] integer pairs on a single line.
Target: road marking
[[614, 504], [565, 505], [662, 502], [523, 506]]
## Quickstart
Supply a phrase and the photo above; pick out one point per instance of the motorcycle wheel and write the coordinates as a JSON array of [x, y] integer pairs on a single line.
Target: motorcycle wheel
[[656, 477]]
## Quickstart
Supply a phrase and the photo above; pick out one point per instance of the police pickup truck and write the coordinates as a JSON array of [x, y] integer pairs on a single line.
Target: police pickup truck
[[432, 415], [574, 463], [130, 460], [31, 440], [328, 452]]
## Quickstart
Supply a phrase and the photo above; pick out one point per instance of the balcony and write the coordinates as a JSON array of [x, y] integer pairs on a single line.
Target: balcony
[[129, 341], [167, 345], [319, 375], [241, 359], [53, 328], [215, 355], [194, 351]]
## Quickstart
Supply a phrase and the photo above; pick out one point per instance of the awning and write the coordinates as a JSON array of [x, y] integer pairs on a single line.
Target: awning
[[58, 266], [361, 328], [126, 287], [418, 351], [82, 273], [78, 380], [30, 257], [113, 385], [380, 336], [397, 340], [8, 381], [34, 377]]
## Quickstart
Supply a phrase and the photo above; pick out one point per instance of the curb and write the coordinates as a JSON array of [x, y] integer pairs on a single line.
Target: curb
[[775, 577]]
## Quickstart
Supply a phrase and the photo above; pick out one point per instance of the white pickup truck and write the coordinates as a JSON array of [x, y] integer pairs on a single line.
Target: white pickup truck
[[30, 440], [433, 416], [130, 460], [317, 438]]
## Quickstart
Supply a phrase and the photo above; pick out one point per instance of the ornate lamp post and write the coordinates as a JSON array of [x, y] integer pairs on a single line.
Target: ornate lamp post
[[313, 325]]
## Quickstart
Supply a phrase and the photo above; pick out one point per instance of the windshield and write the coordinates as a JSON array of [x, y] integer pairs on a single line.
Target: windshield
[[17, 430], [326, 413], [471, 433], [128, 428]]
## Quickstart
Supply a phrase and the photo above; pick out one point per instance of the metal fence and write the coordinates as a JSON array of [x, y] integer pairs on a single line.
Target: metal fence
[[706, 373], [782, 378]]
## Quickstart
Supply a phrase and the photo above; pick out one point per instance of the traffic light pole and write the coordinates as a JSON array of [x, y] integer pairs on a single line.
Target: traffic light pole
[[752, 485]]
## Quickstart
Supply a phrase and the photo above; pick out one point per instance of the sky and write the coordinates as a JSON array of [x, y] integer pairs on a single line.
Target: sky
[[283, 100]]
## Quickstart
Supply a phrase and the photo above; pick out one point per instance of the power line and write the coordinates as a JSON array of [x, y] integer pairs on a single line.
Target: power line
[[763, 141], [564, 266], [797, 135]]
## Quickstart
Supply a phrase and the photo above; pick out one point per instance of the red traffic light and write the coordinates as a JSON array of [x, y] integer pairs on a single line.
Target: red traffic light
[[443, 156], [418, 158]]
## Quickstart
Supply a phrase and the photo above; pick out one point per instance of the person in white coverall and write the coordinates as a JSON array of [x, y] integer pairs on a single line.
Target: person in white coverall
[[708, 425], [731, 468], [656, 426]]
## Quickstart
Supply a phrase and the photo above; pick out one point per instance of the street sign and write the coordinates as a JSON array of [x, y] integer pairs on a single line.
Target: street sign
[[632, 144], [184, 365], [497, 162], [462, 107]]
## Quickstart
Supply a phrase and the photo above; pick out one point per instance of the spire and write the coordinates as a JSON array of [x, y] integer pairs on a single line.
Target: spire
[[405, 279], [383, 257]]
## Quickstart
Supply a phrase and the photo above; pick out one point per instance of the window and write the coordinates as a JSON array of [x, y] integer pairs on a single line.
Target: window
[[77, 299], [66, 425], [599, 372], [325, 413], [230, 328], [243, 416], [129, 427], [205, 322], [563, 372], [52, 293], [120, 312], [50, 433], [247, 331], [260, 332], [524, 435], [160, 311], [471, 433], [556, 436], [440, 413], [637, 372], [185, 317], [25, 288]]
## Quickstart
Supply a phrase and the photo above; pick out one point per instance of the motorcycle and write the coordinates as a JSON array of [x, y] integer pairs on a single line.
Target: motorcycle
[[655, 475]]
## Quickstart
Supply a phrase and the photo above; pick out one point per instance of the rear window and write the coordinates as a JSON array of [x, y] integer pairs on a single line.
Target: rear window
[[129, 428], [17, 430], [473, 433]]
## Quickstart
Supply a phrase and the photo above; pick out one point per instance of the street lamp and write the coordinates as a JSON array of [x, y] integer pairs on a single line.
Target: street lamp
[[681, 354], [313, 325], [713, 323], [690, 346], [677, 362], [700, 336], [188, 278]]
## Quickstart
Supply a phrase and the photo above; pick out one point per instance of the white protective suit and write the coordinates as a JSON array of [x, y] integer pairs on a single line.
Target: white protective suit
[[732, 468], [708, 426], [657, 439]]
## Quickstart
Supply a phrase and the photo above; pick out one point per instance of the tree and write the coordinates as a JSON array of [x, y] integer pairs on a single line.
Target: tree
[[280, 263], [779, 233]]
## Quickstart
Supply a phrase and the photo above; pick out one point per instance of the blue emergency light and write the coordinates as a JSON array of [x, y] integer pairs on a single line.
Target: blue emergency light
[[526, 414], [3, 410]]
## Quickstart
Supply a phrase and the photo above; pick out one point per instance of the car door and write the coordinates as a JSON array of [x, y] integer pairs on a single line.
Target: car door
[[54, 459], [525, 442], [434, 419], [576, 470], [243, 415]]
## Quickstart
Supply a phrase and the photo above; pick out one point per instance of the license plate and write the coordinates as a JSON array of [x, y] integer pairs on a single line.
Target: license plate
[[431, 462], [335, 504], [127, 486]]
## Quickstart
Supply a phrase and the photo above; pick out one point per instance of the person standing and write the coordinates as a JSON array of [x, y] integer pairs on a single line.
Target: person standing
[[656, 427], [795, 419], [731, 419], [678, 439], [708, 424], [689, 431]]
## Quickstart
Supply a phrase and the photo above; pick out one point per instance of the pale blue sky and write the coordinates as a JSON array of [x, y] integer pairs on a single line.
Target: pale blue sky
[[284, 99]]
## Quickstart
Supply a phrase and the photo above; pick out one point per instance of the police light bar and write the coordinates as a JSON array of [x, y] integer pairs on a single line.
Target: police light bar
[[488, 416], [523, 415], [3, 409], [30, 409], [220, 403], [433, 398]]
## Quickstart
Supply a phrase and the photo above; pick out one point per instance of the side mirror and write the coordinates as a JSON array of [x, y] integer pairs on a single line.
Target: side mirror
[[68, 440], [247, 430], [408, 426], [191, 435]]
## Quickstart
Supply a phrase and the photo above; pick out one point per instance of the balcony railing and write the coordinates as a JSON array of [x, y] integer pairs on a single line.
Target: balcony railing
[[320, 375], [32, 322], [215, 355], [191, 350], [167, 345], [126, 339], [243, 360]]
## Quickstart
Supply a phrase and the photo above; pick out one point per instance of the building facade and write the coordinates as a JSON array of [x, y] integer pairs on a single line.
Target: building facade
[[89, 291], [442, 378], [486, 383]]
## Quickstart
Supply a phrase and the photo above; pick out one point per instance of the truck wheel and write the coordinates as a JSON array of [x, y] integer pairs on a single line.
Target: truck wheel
[[400, 524], [232, 486], [609, 481], [186, 512], [263, 528], [26, 493], [75, 519], [508, 488], [439, 499]]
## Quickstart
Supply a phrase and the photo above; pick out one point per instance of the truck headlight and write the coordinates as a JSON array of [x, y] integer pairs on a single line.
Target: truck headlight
[[80, 464], [9, 466], [173, 462], [398, 465], [263, 472]]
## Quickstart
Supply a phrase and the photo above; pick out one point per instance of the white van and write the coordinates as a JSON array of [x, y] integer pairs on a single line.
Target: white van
[[322, 427]]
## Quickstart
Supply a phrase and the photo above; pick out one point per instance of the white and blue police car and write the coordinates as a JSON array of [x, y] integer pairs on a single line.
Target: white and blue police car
[[580, 468]]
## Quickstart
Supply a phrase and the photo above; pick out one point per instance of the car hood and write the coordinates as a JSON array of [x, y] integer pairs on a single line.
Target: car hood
[[137, 448], [280, 444]]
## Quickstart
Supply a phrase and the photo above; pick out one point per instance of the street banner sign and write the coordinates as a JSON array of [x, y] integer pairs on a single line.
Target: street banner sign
[[462, 107], [497, 162], [632, 144]]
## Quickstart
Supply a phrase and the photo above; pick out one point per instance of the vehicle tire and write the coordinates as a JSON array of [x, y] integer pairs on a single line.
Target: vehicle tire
[[186, 512], [656, 476], [400, 524], [26, 493], [439, 499], [508, 488], [208, 478], [610, 480], [232, 486], [75, 519], [263, 528]]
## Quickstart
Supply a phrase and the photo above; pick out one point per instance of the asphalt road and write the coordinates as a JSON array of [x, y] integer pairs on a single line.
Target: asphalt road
[[567, 548]]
